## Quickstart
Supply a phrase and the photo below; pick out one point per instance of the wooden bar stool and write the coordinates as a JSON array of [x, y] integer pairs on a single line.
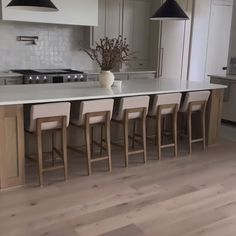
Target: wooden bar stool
[[91, 113], [50, 117], [163, 105], [132, 108], [195, 102]]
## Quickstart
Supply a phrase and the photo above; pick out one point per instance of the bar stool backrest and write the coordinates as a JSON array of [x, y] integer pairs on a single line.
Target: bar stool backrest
[[195, 97], [132, 103], [103, 105], [46, 111], [165, 99]]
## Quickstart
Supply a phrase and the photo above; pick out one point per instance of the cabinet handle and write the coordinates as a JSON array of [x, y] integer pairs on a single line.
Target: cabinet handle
[[161, 62]]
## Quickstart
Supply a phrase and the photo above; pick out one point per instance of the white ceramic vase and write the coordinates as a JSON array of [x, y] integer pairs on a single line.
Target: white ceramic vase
[[106, 78]]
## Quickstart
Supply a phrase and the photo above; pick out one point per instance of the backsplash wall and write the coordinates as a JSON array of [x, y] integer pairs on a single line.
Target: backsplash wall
[[58, 46]]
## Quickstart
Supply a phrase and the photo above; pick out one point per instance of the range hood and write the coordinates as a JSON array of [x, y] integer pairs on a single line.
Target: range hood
[[33, 5]]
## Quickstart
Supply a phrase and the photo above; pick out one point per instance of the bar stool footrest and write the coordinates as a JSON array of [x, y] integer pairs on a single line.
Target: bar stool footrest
[[99, 159]]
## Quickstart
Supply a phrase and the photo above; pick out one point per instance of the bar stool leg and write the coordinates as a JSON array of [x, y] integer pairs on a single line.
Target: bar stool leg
[[101, 140], [144, 137], [204, 127], [88, 144], [53, 148], [40, 153], [126, 139], [175, 132], [64, 147], [159, 135], [108, 140], [190, 130], [133, 137]]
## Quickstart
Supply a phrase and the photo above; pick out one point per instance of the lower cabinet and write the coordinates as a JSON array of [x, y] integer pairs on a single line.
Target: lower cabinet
[[12, 171]]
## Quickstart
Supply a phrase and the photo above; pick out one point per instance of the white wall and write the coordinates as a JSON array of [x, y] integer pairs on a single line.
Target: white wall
[[198, 50], [58, 47]]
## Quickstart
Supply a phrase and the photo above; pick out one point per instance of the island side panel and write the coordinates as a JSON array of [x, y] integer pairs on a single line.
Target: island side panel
[[214, 115], [12, 160]]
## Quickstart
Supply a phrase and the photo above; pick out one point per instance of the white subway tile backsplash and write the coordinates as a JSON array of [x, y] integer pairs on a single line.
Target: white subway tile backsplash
[[58, 47]]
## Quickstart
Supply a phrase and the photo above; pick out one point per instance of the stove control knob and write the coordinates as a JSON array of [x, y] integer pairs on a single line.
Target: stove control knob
[[37, 79], [30, 80], [68, 78], [76, 78], [45, 79]]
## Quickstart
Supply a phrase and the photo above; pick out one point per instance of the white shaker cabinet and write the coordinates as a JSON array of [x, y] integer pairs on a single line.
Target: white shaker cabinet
[[129, 18], [219, 40], [71, 12], [136, 28], [174, 45], [110, 13]]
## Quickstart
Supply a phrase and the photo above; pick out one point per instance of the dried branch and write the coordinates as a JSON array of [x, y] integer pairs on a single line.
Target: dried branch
[[109, 52]]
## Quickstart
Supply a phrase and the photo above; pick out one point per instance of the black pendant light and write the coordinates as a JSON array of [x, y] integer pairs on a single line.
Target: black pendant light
[[170, 10], [33, 5]]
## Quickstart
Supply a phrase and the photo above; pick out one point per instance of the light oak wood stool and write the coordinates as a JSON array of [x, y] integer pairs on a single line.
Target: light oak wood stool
[[132, 108], [52, 117], [91, 113], [162, 106], [195, 102]]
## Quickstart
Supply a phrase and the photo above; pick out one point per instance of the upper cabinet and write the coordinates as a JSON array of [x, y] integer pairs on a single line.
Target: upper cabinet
[[130, 19], [136, 28], [109, 21], [71, 12]]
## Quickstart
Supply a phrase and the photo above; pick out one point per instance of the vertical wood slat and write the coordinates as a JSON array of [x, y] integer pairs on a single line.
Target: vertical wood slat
[[213, 116], [12, 172]]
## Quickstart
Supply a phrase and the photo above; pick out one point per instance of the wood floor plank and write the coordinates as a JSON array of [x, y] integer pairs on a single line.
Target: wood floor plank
[[187, 196]]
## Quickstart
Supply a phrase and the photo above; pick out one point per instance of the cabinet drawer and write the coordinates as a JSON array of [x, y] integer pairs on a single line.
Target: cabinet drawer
[[121, 76], [12, 81], [92, 77], [142, 76]]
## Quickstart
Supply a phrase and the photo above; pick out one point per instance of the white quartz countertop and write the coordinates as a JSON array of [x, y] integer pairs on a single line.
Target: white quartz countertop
[[143, 71], [225, 77], [9, 74], [43, 93]]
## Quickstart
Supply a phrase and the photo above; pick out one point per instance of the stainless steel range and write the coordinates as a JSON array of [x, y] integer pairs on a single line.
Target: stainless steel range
[[51, 76]]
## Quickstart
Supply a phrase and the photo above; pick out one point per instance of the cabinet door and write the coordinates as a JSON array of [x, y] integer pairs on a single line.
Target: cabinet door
[[12, 172], [98, 32], [114, 10], [175, 38], [218, 41], [136, 27]]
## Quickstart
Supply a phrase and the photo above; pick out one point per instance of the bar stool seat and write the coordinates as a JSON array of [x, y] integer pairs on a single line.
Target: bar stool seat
[[195, 102], [88, 114], [49, 117], [163, 105], [132, 108]]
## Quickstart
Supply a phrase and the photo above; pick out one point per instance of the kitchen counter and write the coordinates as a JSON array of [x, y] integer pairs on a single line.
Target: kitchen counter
[[13, 98], [229, 112], [9, 74], [225, 77], [41, 93], [124, 72]]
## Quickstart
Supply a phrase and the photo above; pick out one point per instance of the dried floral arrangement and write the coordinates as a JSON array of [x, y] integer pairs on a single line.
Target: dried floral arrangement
[[109, 52]]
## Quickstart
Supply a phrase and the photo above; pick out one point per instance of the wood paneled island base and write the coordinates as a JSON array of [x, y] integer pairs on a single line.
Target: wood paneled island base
[[12, 99], [12, 153]]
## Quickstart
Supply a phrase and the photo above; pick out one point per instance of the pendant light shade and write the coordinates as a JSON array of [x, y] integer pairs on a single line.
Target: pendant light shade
[[33, 5], [170, 10]]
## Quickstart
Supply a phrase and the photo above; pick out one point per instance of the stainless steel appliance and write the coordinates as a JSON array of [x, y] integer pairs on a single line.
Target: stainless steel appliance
[[51, 76]]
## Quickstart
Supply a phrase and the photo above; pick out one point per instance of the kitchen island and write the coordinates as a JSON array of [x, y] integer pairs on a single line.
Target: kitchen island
[[14, 97]]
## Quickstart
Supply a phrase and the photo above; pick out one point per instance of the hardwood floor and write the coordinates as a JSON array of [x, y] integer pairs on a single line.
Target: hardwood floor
[[187, 196]]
